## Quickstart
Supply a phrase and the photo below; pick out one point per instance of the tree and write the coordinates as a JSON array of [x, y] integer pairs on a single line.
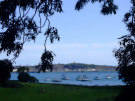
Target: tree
[[25, 77], [23, 69], [5, 69], [126, 53], [108, 6], [18, 22], [20, 26]]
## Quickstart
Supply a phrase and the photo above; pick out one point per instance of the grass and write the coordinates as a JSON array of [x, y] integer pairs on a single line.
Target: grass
[[54, 92]]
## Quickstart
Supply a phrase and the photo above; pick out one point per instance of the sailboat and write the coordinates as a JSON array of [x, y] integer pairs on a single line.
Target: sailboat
[[47, 79], [56, 80], [82, 78], [64, 77], [108, 77], [97, 78]]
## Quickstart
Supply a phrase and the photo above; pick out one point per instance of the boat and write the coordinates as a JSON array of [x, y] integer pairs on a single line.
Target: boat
[[47, 79], [56, 80], [82, 78], [97, 78], [64, 77], [108, 77]]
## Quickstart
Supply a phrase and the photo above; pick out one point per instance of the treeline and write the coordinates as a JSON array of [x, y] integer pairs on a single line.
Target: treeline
[[71, 67], [75, 66]]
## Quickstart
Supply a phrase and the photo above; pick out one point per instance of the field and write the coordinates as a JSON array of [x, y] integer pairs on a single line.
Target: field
[[55, 92]]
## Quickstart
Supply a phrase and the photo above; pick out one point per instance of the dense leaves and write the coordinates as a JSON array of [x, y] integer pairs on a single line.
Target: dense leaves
[[23, 69], [48, 56], [52, 33], [126, 60], [25, 77], [5, 69], [22, 20], [46, 61], [108, 6], [126, 53], [19, 26]]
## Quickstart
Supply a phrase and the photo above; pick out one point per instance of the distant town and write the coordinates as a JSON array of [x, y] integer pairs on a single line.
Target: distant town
[[71, 67]]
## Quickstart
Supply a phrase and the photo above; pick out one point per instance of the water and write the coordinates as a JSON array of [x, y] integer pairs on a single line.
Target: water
[[73, 75]]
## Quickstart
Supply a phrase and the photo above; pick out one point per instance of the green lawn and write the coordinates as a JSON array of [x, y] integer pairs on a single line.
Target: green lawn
[[53, 92]]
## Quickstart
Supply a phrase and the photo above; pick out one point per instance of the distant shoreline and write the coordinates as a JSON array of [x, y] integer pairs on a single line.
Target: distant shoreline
[[73, 67]]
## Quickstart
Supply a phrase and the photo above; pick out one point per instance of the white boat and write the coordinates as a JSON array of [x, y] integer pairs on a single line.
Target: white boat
[[108, 77], [82, 78], [64, 77], [47, 79], [97, 78]]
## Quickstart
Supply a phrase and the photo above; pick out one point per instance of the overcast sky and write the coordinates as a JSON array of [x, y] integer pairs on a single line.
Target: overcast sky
[[87, 36]]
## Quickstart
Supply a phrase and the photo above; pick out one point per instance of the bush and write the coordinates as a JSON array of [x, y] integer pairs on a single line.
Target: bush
[[25, 77], [23, 69], [5, 69]]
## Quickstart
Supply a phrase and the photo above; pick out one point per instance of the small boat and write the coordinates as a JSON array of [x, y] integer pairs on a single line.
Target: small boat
[[108, 77], [79, 78], [56, 80], [47, 79], [97, 78], [64, 77], [82, 78]]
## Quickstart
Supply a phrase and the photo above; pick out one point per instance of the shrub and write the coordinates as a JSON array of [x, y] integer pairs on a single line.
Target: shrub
[[5, 69], [25, 77], [23, 69]]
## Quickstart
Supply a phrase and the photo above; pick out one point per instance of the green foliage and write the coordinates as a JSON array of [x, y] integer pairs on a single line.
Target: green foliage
[[23, 69], [46, 61], [108, 6], [25, 77], [126, 53], [5, 69], [126, 60], [19, 25], [88, 66]]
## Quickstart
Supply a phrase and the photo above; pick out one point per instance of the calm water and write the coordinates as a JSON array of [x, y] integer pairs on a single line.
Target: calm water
[[73, 75]]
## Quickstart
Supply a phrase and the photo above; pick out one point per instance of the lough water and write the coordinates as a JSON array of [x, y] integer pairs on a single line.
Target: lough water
[[73, 75]]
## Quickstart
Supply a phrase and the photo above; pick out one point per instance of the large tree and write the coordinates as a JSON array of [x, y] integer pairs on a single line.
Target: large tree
[[19, 24], [126, 53], [22, 20]]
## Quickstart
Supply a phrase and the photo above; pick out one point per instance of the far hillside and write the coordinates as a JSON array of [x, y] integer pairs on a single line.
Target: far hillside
[[73, 67], [83, 67]]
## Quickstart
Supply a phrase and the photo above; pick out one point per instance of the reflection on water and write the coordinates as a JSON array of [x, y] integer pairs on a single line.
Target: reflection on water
[[106, 78]]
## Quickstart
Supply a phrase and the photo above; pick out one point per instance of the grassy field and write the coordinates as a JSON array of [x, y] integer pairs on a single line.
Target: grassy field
[[53, 92]]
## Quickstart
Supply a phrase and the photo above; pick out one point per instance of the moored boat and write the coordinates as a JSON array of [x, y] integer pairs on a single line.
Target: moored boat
[[82, 78], [64, 77], [56, 80], [47, 79], [97, 78], [108, 77]]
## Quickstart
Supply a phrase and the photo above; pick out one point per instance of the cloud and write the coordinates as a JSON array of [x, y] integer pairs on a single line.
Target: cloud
[[97, 53], [54, 46], [34, 47], [80, 46], [105, 45]]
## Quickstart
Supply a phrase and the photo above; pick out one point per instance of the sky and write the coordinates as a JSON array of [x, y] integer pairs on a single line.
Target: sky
[[86, 36]]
